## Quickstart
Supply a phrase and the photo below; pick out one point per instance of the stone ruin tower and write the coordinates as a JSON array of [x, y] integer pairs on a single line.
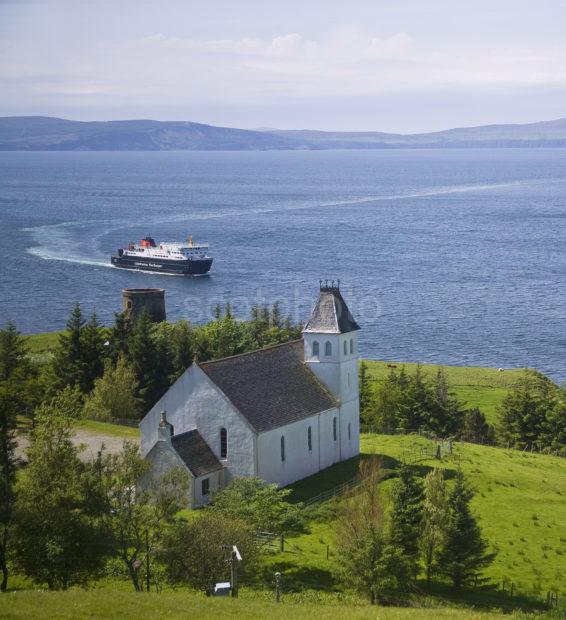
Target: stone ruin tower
[[135, 300]]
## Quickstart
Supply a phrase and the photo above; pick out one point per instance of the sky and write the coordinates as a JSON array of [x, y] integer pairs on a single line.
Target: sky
[[360, 65]]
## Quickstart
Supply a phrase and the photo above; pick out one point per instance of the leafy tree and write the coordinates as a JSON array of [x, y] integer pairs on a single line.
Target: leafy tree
[[263, 506], [407, 516], [114, 394], [523, 411], [8, 466], [137, 507], [196, 552], [435, 518], [464, 552], [370, 562], [475, 428], [58, 538]]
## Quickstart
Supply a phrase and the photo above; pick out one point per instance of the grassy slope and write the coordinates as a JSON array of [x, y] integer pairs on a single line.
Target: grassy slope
[[520, 500], [76, 604], [476, 387]]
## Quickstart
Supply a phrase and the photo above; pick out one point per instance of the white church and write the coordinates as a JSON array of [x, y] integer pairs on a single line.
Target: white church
[[281, 413]]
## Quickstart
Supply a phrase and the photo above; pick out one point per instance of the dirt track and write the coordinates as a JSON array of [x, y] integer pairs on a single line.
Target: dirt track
[[92, 443]]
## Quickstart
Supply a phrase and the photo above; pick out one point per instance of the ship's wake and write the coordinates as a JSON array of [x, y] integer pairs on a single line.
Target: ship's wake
[[65, 241]]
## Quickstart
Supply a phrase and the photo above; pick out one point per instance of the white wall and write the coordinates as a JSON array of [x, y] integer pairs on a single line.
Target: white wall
[[339, 371], [194, 401], [162, 459], [300, 462], [215, 483]]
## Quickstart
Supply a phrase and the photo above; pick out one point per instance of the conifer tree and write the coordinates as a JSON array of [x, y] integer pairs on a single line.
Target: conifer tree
[[416, 399], [445, 411], [120, 334], [144, 356], [407, 515], [93, 353], [67, 367], [182, 348], [365, 394], [476, 428], [522, 414], [13, 352], [464, 552]]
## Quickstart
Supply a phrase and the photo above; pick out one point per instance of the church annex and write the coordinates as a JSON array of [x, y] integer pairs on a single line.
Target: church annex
[[281, 413]]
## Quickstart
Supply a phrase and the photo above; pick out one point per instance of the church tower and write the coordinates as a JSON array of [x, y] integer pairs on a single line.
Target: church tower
[[331, 345]]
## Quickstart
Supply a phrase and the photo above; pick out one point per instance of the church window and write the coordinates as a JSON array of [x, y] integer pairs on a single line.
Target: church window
[[309, 438], [223, 443], [315, 348], [334, 429], [283, 449], [328, 348], [351, 345], [349, 431], [345, 348], [205, 486]]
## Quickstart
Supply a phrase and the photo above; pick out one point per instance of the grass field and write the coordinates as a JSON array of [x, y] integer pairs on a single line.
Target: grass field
[[476, 387], [520, 500], [77, 604]]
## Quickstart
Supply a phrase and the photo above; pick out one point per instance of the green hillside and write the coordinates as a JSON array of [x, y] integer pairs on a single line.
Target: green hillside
[[476, 387], [520, 500]]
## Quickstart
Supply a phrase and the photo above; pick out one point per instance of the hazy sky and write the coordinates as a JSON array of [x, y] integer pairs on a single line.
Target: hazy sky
[[395, 65]]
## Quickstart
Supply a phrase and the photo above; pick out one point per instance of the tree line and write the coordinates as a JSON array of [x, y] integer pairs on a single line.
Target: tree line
[[531, 416], [122, 370], [429, 530]]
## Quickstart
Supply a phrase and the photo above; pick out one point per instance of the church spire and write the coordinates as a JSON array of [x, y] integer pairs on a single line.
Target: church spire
[[330, 315]]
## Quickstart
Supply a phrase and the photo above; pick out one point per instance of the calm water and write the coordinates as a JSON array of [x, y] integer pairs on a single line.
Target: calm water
[[445, 256]]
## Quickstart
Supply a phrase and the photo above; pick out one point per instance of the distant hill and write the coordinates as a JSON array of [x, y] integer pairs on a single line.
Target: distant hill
[[40, 133]]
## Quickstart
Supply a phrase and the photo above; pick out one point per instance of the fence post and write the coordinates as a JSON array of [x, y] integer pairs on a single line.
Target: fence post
[[277, 587], [327, 551], [282, 545]]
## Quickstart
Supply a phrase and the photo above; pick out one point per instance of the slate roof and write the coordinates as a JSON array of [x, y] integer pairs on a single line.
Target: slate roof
[[195, 453], [331, 314], [271, 387]]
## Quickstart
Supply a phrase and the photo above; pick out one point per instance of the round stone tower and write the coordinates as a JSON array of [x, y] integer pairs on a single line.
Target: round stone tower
[[135, 300]]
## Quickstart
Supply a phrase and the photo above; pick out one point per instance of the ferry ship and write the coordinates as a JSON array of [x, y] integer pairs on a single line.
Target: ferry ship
[[182, 259]]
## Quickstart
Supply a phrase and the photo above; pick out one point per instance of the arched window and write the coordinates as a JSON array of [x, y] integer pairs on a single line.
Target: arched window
[[345, 348], [223, 443], [351, 345], [349, 431], [315, 348], [309, 438], [328, 348], [334, 429], [283, 449]]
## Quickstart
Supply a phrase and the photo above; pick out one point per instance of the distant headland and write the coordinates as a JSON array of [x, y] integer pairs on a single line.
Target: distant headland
[[41, 133]]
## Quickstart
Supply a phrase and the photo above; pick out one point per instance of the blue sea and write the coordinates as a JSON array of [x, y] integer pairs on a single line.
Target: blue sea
[[445, 256]]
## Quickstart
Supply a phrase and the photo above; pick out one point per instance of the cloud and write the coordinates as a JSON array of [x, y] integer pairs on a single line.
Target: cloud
[[159, 68]]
